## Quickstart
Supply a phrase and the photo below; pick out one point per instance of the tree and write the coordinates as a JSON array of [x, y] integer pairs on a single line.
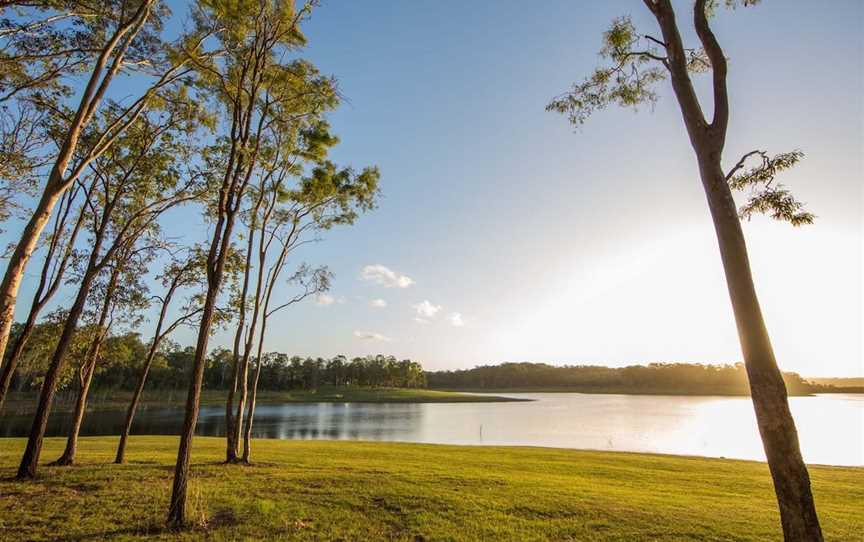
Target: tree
[[57, 39], [291, 141], [178, 274], [637, 63], [138, 180], [328, 196], [312, 281], [122, 289], [255, 36]]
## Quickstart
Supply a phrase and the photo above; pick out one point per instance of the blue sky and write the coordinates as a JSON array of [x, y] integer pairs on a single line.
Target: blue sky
[[578, 246]]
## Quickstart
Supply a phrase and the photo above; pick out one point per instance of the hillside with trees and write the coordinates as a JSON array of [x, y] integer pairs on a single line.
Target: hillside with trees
[[656, 378]]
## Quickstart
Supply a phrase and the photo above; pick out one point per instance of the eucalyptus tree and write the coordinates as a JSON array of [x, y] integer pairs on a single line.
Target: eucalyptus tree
[[291, 142], [637, 62], [58, 253], [311, 282], [182, 272], [138, 179], [247, 84], [46, 44], [123, 294], [290, 218]]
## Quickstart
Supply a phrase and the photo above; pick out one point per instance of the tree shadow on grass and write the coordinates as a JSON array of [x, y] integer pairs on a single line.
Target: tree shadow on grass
[[225, 517], [108, 534]]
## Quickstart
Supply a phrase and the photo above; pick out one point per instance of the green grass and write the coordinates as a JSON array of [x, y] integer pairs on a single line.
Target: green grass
[[319, 490], [25, 402]]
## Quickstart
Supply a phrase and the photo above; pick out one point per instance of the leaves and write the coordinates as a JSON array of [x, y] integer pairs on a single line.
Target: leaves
[[628, 81], [765, 196]]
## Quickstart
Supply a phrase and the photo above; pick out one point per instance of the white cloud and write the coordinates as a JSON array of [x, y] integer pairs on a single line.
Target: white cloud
[[371, 336], [420, 320], [385, 276], [324, 300], [377, 303], [455, 319], [425, 309]]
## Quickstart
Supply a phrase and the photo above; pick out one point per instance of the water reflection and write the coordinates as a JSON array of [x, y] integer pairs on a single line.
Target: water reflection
[[831, 427]]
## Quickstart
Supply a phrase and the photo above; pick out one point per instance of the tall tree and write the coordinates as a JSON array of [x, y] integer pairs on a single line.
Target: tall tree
[[138, 180], [256, 37], [122, 289], [178, 274], [292, 141], [326, 197], [311, 282], [103, 38], [638, 62]]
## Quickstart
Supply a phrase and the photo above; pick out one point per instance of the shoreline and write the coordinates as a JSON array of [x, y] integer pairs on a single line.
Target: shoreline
[[22, 403], [670, 393]]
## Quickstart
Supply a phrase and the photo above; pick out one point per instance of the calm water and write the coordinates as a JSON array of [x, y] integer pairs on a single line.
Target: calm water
[[831, 427]]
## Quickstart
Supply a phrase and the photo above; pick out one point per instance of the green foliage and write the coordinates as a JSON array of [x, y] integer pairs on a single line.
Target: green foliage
[[628, 81], [765, 196], [637, 62], [335, 195], [37, 353], [22, 139]]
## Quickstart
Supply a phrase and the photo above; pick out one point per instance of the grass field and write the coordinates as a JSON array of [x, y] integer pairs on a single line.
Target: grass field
[[24, 403], [320, 490]]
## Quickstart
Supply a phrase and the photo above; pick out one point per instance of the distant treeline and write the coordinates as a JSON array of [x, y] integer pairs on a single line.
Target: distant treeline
[[671, 378], [843, 384], [122, 356]]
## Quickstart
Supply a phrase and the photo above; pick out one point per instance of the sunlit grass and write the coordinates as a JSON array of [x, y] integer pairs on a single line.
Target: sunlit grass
[[324, 490]]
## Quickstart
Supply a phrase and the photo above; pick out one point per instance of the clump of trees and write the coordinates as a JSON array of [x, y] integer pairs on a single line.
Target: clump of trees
[[671, 378], [226, 117], [125, 356]]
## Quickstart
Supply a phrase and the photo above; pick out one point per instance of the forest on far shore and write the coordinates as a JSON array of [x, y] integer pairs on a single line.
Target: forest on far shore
[[655, 378], [123, 355]]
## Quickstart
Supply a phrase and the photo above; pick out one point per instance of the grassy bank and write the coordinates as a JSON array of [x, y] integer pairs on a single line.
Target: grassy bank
[[22, 403], [318, 490]]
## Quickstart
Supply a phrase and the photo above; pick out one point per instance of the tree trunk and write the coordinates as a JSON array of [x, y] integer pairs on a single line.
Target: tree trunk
[[218, 251], [30, 459], [233, 424], [247, 431], [68, 456], [243, 390], [8, 370], [48, 286], [177, 506], [133, 405], [231, 441], [247, 435], [18, 261], [90, 361], [768, 391]]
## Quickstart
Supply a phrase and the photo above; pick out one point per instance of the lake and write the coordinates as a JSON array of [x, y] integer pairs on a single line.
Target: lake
[[830, 426]]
